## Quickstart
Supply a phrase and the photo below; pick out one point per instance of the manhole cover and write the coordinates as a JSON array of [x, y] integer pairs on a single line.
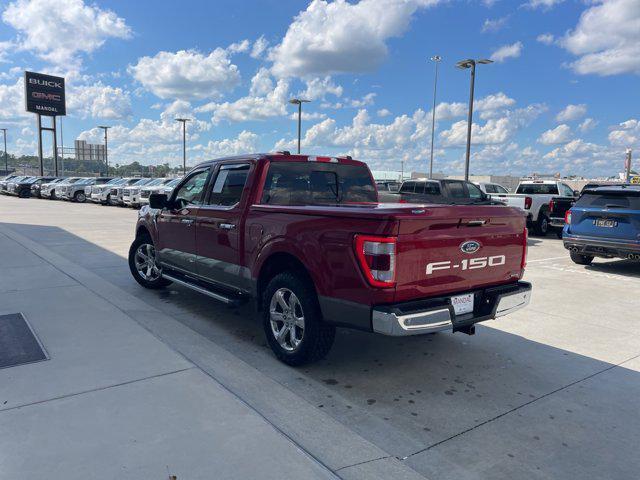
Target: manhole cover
[[18, 343]]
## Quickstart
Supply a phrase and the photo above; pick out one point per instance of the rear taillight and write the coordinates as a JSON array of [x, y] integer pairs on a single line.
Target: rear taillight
[[551, 205], [527, 202], [523, 263], [567, 217], [377, 259]]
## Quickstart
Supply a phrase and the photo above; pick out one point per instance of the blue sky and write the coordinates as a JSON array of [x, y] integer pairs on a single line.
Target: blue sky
[[562, 95]]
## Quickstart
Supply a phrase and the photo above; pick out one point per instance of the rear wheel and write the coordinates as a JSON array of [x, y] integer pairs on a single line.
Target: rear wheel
[[143, 266], [541, 225], [581, 259], [293, 322], [79, 197]]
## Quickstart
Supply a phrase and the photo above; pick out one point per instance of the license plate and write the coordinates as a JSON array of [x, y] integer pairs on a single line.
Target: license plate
[[603, 222], [462, 303]]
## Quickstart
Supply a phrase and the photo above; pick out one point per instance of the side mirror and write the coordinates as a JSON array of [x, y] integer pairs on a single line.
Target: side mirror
[[576, 193], [158, 200]]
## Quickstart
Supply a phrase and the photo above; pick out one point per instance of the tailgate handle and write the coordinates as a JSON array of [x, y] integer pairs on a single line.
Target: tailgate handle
[[475, 223]]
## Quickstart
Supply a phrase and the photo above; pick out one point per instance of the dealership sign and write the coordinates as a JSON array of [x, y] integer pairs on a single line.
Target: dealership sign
[[44, 94]]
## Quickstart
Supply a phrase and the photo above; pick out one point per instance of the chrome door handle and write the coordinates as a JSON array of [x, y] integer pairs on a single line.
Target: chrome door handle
[[227, 226], [187, 221]]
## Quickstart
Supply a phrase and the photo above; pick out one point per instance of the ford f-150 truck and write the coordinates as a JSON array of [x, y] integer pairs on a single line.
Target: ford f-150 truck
[[305, 238]]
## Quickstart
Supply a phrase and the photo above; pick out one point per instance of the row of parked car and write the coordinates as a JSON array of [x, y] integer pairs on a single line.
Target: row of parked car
[[130, 192]]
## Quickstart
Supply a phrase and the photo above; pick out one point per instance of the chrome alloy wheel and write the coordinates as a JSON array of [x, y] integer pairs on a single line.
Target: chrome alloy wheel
[[145, 260], [287, 319]]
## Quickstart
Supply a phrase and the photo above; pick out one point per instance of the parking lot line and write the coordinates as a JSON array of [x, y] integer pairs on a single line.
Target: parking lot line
[[546, 259]]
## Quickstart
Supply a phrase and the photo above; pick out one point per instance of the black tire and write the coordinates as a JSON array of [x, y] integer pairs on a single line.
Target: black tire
[[559, 233], [541, 226], [24, 194], [316, 337], [79, 197], [155, 283], [581, 259]]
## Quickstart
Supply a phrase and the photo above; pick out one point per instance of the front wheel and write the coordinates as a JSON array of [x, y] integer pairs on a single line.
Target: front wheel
[[79, 197], [292, 321], [581, 259], [143, 266]]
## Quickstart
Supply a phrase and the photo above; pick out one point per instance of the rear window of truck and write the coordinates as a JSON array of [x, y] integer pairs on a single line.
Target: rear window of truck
[[313, 183], [538, 189]]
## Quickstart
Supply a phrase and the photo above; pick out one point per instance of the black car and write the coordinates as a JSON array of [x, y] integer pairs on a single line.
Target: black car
[[24, 188], [446, 191]]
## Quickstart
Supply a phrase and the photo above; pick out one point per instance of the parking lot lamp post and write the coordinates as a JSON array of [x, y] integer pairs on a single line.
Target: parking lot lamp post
[[6, 163], [436, 59], [299, 102], [184, 142], [106, 152], [470, 63]]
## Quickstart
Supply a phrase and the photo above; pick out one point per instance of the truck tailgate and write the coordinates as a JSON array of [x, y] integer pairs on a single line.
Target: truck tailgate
[[458, 248]]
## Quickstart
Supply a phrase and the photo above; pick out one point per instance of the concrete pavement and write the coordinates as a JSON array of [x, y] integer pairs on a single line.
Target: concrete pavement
[[114, 401]]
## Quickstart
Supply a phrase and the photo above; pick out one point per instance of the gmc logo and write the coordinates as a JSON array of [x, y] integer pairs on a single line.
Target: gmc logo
[[51, 97], [45, 83]]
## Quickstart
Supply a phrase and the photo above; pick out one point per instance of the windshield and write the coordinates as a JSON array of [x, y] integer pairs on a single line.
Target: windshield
[[313, 183], [114, 181], [142, 181], [173, 182], [155, 181]]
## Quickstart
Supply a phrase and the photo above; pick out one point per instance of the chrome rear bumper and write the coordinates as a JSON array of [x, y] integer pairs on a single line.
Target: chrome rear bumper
[[494, 302]]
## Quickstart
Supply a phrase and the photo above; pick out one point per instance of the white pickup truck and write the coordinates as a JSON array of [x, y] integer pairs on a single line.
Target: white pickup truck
[[533, 196]]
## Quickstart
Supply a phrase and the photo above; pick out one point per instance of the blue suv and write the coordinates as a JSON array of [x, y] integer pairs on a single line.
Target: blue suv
[[604, 222]]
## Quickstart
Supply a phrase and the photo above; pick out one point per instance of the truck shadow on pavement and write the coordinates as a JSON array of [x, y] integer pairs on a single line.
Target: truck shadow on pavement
[[518, 407]]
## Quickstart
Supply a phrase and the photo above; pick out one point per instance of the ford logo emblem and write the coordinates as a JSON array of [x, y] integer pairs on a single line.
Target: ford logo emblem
[[471, 246]]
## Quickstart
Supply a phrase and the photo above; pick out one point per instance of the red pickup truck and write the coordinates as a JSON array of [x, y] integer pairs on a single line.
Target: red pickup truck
[[305, 238]]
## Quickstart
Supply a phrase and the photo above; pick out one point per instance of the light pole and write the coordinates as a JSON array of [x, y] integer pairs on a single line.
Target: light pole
[[106, 148], [6, 163], [184, 142], [299, 102], [470, 63], [436, 59]]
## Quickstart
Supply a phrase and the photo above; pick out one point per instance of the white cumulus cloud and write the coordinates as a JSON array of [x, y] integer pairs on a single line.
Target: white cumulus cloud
[[606, 39], [555, 136], [98, 101], [572, 112], [58, 30], [187, 74], [341, 36], [507, 51], [626, 134]]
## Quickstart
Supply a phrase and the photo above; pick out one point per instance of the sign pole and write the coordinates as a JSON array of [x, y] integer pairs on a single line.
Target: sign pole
[[40, 145], [55, 146]]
